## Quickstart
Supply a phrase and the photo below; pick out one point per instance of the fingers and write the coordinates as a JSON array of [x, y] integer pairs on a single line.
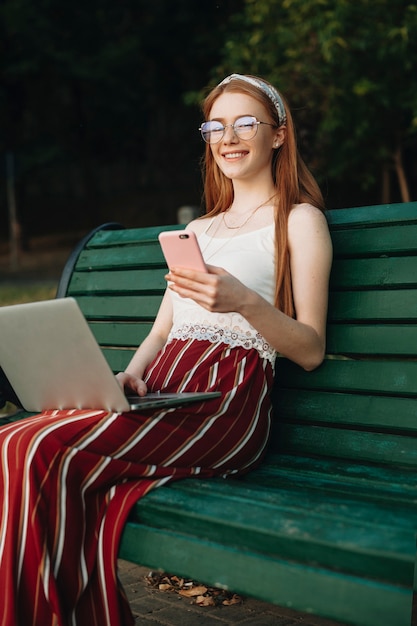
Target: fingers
[[193, 280], [217, 291], [139, 386], [213, 269], [198, 286], [177, 275], [133, 383]]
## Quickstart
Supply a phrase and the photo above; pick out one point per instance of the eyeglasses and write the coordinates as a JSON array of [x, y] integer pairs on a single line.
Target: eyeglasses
[[244, 127]]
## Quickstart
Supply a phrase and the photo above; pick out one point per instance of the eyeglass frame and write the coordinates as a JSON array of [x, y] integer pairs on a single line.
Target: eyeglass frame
[[256, 123]]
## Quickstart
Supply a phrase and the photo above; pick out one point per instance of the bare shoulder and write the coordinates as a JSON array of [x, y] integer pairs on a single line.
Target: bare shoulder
[[304, 220], [306, 214], [198, 225]]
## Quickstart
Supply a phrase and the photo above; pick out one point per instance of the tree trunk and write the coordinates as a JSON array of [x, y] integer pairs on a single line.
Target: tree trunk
[[402, 179], [386, 187]]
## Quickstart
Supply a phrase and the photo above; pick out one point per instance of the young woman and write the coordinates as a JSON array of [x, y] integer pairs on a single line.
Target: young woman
[[69, 478]]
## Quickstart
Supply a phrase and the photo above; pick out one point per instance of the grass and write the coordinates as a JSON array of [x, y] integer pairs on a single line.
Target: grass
[[17, 293], [38, 272]]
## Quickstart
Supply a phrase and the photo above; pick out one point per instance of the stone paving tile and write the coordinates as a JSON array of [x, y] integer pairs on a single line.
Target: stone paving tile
[[154, 608]]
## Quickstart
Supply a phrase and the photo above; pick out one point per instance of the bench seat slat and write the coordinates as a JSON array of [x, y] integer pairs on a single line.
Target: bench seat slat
[[223, 495], [378, 483], [356, 536]]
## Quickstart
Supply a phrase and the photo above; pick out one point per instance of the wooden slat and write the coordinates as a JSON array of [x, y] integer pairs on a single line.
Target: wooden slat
[[118, 359], [134, 256], [366, 242], [379, 483], [133, 281], [338, 409], [370, 447], [120, 307], [373, 215], [394, 377], [375, 339], [374, 273], [123, 334], [104, 238], [377, 306]]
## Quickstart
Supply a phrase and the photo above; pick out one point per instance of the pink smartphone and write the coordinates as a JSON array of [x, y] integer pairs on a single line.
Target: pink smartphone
[[181, 249]]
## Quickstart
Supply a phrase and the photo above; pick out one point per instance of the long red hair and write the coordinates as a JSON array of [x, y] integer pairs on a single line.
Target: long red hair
[[293, 181]]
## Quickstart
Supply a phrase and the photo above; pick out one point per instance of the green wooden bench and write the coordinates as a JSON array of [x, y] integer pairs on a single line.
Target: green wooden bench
[[328, 523]]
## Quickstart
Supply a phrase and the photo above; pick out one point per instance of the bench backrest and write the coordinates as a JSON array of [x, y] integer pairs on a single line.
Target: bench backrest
[[360, 403]]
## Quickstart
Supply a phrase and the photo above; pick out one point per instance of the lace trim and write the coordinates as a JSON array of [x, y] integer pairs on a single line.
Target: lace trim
[[234, 337]]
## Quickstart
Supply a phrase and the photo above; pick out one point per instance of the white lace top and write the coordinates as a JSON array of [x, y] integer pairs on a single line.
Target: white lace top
[[250, 258]]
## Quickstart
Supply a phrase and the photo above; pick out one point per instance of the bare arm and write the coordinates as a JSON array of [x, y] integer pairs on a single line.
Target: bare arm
[[132, 377], [302, 340]]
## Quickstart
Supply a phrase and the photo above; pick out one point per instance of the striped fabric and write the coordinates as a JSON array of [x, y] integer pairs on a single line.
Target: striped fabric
[[69, 479]]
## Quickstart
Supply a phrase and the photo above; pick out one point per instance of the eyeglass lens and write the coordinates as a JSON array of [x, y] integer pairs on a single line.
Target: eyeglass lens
[[245, 127]]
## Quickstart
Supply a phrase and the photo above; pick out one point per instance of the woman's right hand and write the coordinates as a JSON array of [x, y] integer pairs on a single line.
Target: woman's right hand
[[131, 382]]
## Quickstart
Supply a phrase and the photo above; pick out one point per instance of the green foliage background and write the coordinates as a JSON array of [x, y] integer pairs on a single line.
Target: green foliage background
[[98, 100]]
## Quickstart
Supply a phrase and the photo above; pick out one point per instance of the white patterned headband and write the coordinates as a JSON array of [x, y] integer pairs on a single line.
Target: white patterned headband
[[269, 90]]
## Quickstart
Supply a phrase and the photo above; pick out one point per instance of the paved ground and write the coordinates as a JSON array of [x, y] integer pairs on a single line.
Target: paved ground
[[152, 607]]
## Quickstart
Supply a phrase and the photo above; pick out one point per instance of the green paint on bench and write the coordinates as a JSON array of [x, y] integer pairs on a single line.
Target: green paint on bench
[[328, 523]]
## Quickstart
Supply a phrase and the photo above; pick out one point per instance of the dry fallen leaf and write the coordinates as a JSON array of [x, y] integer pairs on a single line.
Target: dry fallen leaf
[[235, 599], [194, 591], [205, 601], [198, 593]]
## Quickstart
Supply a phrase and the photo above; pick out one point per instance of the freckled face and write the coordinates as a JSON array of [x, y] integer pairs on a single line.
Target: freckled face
[[238, 158]]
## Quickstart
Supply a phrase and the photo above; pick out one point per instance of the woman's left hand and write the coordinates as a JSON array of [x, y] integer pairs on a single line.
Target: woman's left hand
[[215, 290]]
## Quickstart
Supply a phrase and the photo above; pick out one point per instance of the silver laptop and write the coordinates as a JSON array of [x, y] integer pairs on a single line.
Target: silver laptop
[[52, 360]]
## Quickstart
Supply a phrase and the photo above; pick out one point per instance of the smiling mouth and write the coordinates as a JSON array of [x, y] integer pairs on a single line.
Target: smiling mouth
[[234, 155]]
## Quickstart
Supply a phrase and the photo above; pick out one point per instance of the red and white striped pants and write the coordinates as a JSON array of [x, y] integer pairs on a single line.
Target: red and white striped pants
[[69, 478]]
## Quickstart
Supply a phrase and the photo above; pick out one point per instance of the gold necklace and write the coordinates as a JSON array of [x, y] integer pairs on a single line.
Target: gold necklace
[[247, 219], [209, 254], [226, 239]]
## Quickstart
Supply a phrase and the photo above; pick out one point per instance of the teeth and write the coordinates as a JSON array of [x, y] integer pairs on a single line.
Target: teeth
[[233, 155]]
